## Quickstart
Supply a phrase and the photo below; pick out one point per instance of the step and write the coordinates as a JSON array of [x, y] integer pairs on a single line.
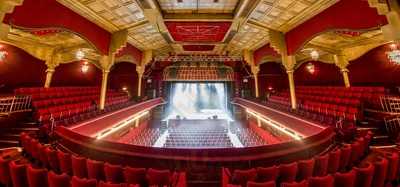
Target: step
[[17, 130], [9, 136], [8, 143]]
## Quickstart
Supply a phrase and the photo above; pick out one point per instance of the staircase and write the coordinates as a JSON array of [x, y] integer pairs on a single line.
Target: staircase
[[12, 126]]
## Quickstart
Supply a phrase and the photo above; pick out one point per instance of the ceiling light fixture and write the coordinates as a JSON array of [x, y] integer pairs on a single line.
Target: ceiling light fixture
[[79, 55], [314, 55]]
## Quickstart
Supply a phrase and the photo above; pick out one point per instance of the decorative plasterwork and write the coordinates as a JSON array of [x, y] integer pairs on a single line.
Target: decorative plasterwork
[[248, 37], [195, 6], [283, 15]]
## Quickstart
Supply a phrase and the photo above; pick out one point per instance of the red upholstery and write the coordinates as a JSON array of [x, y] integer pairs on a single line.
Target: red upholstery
[[43, 156], [158, 177], [95, 169], [303, 183], [325, 181], [52, 158], [345, 157], [356, 152], [36, 177], [79, 182], [364, 175], [79, 167], [113, 173], [65, 162], [34, 144], [267, 174], [243, 176], [135, 175], [321, 165], [5, 177], [55, 180], [261, 184], [18, 174], [334, 161], [107, 184], [288, 172], [345, 179], [380, 172], [305, 169], [393, 166]]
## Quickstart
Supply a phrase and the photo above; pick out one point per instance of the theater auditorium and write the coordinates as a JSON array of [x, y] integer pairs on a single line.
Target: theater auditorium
[[199, 93]]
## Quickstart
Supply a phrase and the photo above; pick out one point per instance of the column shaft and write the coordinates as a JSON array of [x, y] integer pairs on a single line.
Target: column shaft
[[103, 91], [139, 85], [292, 89], [49, 77], [346, 78], [256, 85]]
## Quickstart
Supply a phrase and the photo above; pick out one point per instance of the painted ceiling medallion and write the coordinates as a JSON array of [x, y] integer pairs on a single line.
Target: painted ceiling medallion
[[198, 31]]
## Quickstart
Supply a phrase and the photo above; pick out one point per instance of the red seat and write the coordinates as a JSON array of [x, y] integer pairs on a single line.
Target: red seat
[[267, 174], [305, 169], [55, 180], [321, 165], [303, 183], [135, 176], [64, 162], [288, 172], [113, 173], [261, 184], [79, 167], [158, 177], [334, 161], [355, 152], [345, 156], [95, 169], [393, 166], [325, 181], [104, 184], [52, 158], [347, 179], [18, 174], [364, 175], [243, 176], [79, 182], [5, 177], [381, 167], [36, 177], [42, 155]]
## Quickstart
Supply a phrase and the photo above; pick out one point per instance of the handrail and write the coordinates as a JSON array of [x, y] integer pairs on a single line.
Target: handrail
[[15, 104]]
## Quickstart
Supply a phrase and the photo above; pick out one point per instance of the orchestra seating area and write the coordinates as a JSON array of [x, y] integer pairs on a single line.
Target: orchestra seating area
[[44, 165], [146, 137], [60, 103], [331, 104], [204, 135], [346, 165], [249, 138]]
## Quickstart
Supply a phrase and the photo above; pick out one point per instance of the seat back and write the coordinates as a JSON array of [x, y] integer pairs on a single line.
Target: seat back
[[113, 173], [79, 167], [55, 180], [36, 177], [95, 169], [18, 174]]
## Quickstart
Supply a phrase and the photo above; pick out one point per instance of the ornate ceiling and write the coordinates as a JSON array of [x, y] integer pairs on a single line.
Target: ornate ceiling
[[229, 25]]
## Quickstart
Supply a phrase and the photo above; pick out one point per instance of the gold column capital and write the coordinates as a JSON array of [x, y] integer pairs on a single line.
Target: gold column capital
[[147, 57], [289, 62], [341, 61]]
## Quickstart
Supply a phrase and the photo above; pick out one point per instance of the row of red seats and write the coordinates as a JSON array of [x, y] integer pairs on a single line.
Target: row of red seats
[[336, 168], [337, 88], [328, 99], [33, 90], [40, 96], [71, 165], [62, 101], [331, 110]]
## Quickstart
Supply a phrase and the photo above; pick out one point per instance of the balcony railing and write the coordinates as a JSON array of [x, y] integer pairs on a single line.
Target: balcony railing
[[13, 104]]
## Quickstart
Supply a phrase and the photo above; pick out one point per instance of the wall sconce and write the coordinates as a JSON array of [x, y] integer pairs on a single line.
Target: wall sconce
[[85, 67], [3, 53], [124, 88], [245, 80], [149, 81], [310, 68], [394, 54]]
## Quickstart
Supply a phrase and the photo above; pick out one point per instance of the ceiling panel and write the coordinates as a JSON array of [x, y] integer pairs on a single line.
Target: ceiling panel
[[198, 31], [248, 37], [199, 6]]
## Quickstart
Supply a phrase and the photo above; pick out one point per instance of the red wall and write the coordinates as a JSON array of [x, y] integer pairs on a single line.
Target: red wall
[[71, 75], [371, 69], [20, 69], [124, 75], [325, 74], [271, 75], [374, 68]]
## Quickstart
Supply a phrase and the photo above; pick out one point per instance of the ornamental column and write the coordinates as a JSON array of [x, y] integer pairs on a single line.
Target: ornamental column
[[106, 63], [289, 63], [49, 76], [255, 70], [342, 62], [140, 72]]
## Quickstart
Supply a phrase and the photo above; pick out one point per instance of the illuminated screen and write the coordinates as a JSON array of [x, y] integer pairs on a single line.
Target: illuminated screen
[[198, 100]]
